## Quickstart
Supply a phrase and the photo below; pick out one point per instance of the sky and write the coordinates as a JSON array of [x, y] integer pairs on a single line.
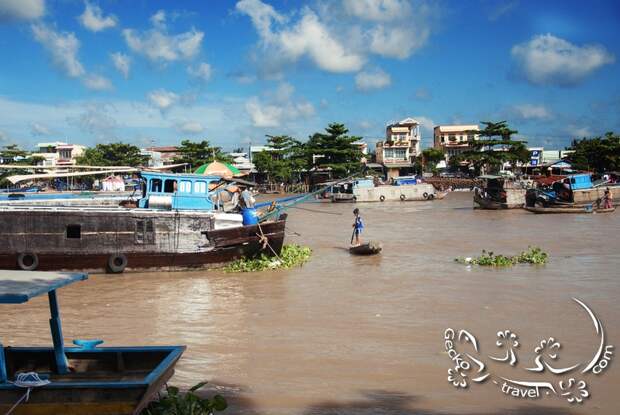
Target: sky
[[156, 72]]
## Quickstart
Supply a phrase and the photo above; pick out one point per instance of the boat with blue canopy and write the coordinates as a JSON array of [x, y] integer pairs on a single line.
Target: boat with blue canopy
[[77, 380]]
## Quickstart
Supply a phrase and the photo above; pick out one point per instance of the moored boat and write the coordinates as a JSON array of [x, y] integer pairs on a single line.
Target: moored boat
[[85, 379], [178, 222], [498, 192], [578, 209], [402, 189]]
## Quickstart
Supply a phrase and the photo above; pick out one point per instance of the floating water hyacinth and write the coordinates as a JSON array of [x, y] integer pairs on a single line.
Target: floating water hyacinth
[[533, 255], [291, 256]]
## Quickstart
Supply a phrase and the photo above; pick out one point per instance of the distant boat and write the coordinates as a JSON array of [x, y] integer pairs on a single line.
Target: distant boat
[[540, 210], [368, 248], [405, 188], [498, 192], [85, 379]]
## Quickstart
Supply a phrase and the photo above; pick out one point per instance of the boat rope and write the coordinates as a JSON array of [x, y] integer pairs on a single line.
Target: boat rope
[[265, 241], [27, 380]]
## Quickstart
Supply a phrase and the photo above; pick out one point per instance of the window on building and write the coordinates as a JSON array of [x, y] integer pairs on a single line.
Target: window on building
[[452, 137], [170, 186], [74, 231], [470, 137]]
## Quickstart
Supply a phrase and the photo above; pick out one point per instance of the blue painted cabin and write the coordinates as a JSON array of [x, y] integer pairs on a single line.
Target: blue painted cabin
[[177, 191]]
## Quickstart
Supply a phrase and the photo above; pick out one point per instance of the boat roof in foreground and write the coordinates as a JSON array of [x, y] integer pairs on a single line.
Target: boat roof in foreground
[[17, 287]]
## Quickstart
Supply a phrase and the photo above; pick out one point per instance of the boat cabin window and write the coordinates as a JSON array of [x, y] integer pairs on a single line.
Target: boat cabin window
[[185, 186], [170, 186], [74, 231], [200, 186], [156, 185]]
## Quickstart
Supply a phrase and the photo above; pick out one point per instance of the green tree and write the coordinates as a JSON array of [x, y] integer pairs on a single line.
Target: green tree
[[334, 149], [198, 153], [596, 154], [113, 154], [283, 160], [494, 148], [430, 157]]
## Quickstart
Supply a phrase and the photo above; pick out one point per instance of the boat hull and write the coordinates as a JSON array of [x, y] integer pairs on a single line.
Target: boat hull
[[105, 381], [551, 210], [171, 243], [369, 248]]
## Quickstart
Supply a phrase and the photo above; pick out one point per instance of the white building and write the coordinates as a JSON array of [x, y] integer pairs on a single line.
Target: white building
[[455, 139], [59, 154], [400, 148]]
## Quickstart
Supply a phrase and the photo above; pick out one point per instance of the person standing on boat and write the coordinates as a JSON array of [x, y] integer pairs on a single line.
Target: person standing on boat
[[248, 198], [358, 226], [607, 199]]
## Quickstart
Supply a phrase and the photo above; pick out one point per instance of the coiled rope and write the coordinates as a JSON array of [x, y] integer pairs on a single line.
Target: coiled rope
[[27, 380]]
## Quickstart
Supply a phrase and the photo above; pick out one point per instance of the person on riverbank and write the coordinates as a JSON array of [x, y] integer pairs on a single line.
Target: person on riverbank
[[607, 199], [248, 198], [358, 225]]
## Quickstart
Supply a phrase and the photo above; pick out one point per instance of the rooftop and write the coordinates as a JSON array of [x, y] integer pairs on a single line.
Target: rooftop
[[456, 128]]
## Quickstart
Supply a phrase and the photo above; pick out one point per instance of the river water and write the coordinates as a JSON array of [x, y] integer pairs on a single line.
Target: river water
[[351, 335]]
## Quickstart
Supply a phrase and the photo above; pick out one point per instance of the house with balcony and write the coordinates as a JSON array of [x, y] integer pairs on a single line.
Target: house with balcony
[[455, 139], [397, 153], [59, 154]]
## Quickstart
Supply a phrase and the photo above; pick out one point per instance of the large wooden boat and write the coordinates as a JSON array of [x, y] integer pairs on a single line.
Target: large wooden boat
[[498, 192], [402, 189], [174, 225], [86, 379]]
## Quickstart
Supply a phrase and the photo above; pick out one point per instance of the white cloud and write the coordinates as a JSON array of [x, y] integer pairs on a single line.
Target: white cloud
[[15, 10], [423, 94], [547, 59], [309, 37], [162, 99], [122, 63], [279, 108], [97, 82], [93, 19], [190, 127], [39, 129], [378, 10], [396, 42], [366, 81], [159, 46], [501, 9], [532, 111], [426, 123], [62, 47], [202, 71]]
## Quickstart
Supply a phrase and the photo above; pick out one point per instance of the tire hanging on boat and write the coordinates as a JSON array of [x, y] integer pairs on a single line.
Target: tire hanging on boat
[[431, 196], [117, 263], [403, 197], [27, 261], [425, 195], [382, 198]]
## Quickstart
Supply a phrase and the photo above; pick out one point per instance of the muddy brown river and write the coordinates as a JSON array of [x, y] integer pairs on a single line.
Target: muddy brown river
[[365, 335]]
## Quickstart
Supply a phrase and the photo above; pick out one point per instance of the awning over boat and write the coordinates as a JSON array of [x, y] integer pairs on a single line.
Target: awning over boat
[[17, 287]]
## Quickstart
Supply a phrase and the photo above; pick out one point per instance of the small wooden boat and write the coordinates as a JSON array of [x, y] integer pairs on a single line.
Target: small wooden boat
[[369, 248], [539, 210], [605, 210], [85, 379]]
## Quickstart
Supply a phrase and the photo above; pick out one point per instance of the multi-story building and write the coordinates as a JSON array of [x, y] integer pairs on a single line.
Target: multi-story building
[[59, 154], [454, 139], [400, 148], [160, 156]]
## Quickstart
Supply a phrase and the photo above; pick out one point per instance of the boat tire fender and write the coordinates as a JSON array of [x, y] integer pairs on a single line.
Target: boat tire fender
[[425, 195], [28, 261], [431, 196], [117, 263], [382, 198], [403, 197], [355, 198]]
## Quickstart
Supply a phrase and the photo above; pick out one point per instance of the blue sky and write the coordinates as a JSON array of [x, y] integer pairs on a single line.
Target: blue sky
[[232, 71]]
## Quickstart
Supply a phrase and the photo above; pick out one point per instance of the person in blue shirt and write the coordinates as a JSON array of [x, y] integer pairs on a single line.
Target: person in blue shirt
[[358, 225]]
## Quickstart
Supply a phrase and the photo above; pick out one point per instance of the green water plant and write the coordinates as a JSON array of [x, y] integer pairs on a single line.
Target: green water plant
[[533, 255], [173, 402], [291, 256]]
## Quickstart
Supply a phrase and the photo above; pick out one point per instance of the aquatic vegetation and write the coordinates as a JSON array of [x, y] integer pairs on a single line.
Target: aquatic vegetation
[[176, 403], [291, 256], [533, 255]]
